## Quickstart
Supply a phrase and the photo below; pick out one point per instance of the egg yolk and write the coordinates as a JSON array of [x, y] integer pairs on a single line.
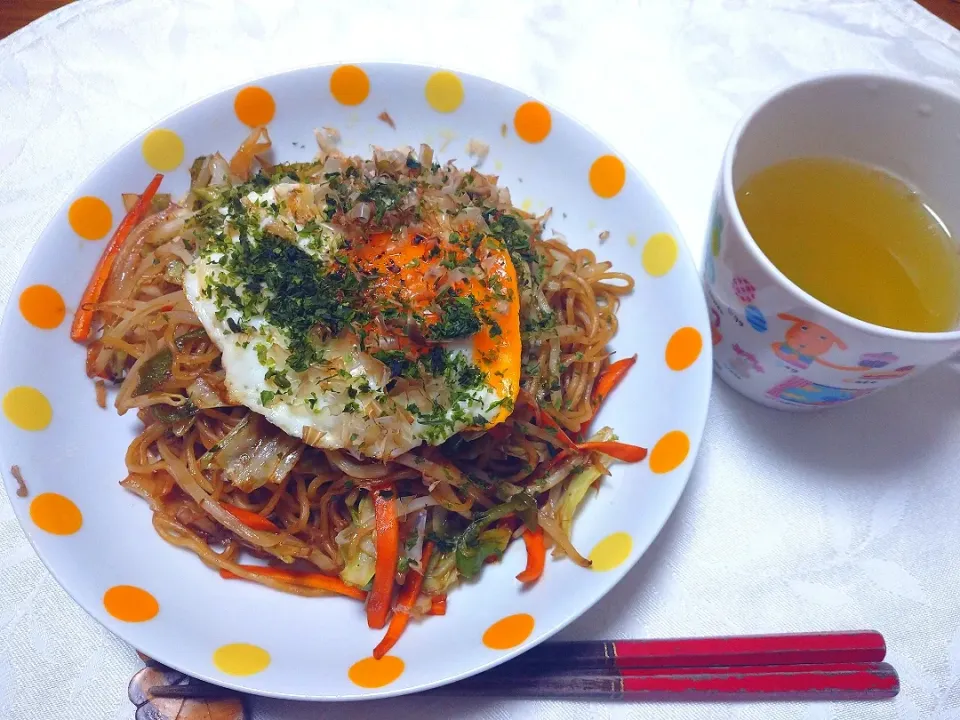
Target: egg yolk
[[411, 272]]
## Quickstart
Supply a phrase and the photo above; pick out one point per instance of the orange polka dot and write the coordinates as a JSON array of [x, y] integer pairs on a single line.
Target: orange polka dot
[[532, 121], [90, 217], [349, 85], [130, 604], [508, 632], [42, 307], [163, 149], [683, 348], [669, 452], [241, 659], [55, 514], [27, 408], [607, 176], [254, 106], [373, 673]]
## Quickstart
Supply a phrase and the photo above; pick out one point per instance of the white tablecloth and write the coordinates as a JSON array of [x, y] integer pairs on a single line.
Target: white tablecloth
[[846, 519]]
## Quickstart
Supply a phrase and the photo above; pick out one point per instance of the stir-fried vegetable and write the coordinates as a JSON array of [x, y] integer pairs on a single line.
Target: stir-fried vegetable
[[438, 605], [357, 550], [257, 142], [203, 394], [83, 319], [573, 495], [405, 602], [620, 451], [196, 334], [611, 377], [388, 552], [545, 420], [154, 372], [412, 554], [489, 547], [554, 472], [250, 519], [605, 384], [173, 413], [161, 201], [254, 453], [442, 573], [536, 556], [475, 545], [314, 580]]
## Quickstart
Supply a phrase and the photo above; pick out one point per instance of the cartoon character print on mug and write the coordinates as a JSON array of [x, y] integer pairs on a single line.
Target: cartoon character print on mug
[[734, 318], [806, 343], [767, 346]]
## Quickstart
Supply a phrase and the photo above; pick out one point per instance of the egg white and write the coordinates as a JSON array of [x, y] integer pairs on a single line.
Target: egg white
[[341, 402]]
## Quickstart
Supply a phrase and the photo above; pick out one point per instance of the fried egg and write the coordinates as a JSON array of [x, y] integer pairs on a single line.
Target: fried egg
[[372, 344]]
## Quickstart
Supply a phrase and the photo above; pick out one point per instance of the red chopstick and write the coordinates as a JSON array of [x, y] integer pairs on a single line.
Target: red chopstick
[[826, 647], [805, 666], [834, 681]]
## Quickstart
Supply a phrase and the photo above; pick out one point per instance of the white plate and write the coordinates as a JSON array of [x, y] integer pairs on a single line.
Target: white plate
[[310, 644]]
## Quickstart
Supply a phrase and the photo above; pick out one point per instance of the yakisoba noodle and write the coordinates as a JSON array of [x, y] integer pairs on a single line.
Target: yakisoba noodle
[[420, 250]]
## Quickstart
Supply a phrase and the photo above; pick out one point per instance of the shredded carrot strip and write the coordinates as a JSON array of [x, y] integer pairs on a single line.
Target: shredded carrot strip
[[618, 450], [611, 377], [306, 579], [536, 556], [438, 605], [388, 551], [405, 602], [83, 319], [251, 519], [606, 382], [545, 420]]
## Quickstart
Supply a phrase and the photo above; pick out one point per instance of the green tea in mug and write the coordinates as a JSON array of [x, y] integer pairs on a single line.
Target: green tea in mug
[[858, 239]]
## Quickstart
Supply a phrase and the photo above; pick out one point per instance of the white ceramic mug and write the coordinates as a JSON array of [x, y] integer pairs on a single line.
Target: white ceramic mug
[[773, 342]]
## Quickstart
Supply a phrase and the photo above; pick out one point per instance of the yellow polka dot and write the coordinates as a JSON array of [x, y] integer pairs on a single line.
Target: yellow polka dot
[[130, 603], [90, 217], [632, 240], [611, 551], [659, 254], [669, 452], [349, 85], [27, 408], [444, 91], [241, 659], [532, 121], [373, 673], [162, 149], [508, 632], [254, 106], [683, 348], [55, 514], [607, 176], [42, 306]]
